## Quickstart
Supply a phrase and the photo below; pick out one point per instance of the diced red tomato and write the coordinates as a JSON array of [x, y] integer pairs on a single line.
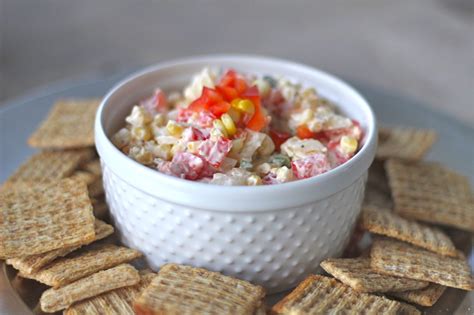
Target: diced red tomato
[[229, 93], [210, 100], [276, 97], [337, 158], [321, 137], [354, 131], [278, 138], [194, 134], [217, 101], [214, 152], [164, 167], [157, 103], [204, 119], [219, 108], [303, 132], [231, 85], [258, 120], [251, 93], [208, 170], [187, 165], [310, 166], [184, 115]]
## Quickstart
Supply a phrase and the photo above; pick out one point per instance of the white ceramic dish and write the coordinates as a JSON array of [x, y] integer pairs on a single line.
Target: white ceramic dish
[[270, 235]]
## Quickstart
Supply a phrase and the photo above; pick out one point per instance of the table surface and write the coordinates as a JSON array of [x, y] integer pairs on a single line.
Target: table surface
[[455, 148], [421, 49]]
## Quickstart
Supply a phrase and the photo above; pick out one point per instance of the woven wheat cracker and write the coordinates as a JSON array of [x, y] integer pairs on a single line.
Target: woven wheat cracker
[[117, 302], [69, 269], [205, 292], [384, 222], [86, 177], [377, 190], [429, 192], [70, 124], [44, 218], [404, 260], [404, 143], [54, 300], [101, 209], [47, 166], [33, 263], [323, 295], [93, 167], [377, 197], [356, 273], [96, 189], [425, 297]]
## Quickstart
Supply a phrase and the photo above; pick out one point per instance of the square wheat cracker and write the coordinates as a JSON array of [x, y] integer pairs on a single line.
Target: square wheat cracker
[[356, 273], [54, 300], [429, 192], [31, 264], [404, 260], [93, 167], [415, 179], [48, 166], [96, 189], [117, 302], [86, 177], [70, 124], [69, 269], [404, 143], [323, 295], [384, 222], [425, 297], [205, 292], [377, 190], [45, 218]]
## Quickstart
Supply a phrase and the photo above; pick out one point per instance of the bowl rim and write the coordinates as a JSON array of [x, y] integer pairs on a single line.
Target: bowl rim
[[236, 198]]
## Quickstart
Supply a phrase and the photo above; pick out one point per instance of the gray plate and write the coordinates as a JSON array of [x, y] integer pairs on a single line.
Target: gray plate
[[18, 119]]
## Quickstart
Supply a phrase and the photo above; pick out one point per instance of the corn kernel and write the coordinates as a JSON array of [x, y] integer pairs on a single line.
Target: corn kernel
[[138, 117], [178, 147], [159, 120], [246, 106], [144, 157], [237, 145], [141, 133], [217, 123], [174, 129], [193, 146], [228, 124], [235, 102], [254, 180], [235, 114], [141, 155], [348, 144]]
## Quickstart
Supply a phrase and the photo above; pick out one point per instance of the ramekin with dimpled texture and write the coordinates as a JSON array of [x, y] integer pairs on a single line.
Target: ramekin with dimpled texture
[[270, 235]]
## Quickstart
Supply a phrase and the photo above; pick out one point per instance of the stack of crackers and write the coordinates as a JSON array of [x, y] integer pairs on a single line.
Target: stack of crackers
[[409, 203], [50, 228], [53, 230]]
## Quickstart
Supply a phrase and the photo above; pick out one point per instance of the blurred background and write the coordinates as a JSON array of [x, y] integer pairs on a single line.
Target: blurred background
[[422, 49]]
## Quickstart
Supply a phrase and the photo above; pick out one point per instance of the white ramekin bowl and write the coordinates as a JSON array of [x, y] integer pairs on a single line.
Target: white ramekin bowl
[[270, 235]]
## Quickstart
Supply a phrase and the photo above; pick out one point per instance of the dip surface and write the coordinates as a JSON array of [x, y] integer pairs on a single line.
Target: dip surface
[[230, 128]]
